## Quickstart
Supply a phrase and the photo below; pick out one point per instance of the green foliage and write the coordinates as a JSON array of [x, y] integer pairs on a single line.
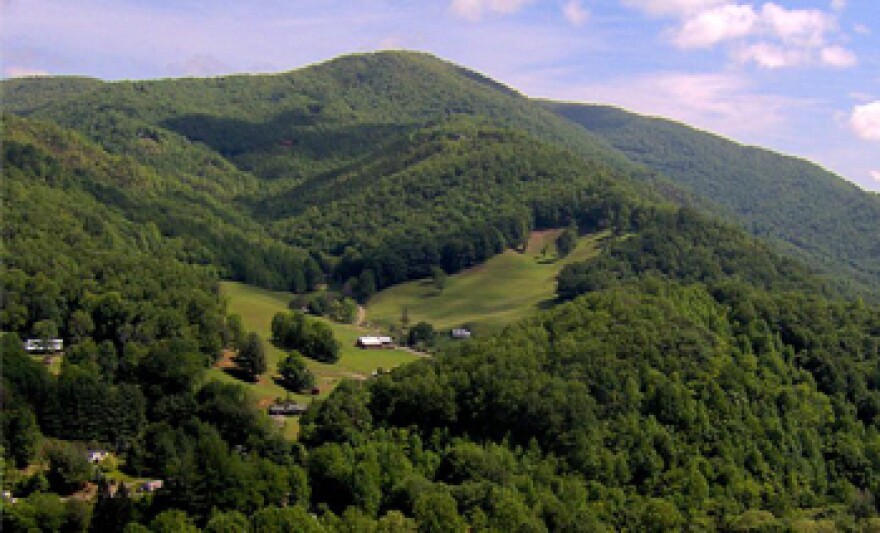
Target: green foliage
[[686, 398], [235, 331], [438, 277], [684, 245], [231, 522], [696, 378], [335, 306], [283, 520], [807, 211], [422, 335], [295, 375], [566, 241], [173, 521], [69, 468], [294, 331], [251, 358], [46, 512]]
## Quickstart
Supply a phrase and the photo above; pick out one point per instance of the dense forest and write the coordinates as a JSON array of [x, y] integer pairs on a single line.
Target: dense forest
[[689, 377], [801, 208]]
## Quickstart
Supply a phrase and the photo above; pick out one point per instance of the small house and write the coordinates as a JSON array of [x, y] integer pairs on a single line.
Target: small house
[[374, 343], [152, 485], [461, 333], [96, 456], [287, 408], [43, 345]]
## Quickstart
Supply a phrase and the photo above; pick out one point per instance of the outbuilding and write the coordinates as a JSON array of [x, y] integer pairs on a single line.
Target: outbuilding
[[43, 345], [287, 408], [461, 333], [375, 343]]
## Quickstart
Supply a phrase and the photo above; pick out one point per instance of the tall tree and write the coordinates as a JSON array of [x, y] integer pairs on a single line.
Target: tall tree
[[252, 357], [295, 376]]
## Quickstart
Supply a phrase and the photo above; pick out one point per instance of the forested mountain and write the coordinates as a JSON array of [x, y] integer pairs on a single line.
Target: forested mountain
[[690, 378], [260, 138], [809, 212]]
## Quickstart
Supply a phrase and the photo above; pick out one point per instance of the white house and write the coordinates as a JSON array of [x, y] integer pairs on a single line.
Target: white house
[[461, 333], [96, 456], [374, 342], [152, 485], [41, 345]]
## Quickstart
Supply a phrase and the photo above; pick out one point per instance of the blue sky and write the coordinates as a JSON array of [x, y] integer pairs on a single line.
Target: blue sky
[[801, 77]]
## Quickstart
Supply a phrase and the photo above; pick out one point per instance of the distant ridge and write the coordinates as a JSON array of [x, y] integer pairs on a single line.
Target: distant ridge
[[808, 211]]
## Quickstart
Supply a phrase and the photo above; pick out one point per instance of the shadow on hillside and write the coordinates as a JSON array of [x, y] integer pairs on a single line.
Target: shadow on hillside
[[238, 374], [549, 303]]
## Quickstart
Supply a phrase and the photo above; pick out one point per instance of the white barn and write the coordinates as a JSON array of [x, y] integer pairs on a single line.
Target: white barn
[[374, 342], [43, 345]]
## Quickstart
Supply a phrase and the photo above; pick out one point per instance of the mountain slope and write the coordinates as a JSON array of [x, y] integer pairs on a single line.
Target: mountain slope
[[295, 124], [267, 147], [702, 382], [809, 212]]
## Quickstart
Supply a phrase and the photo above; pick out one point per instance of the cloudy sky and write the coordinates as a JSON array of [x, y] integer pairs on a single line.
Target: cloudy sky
[[798, 76]]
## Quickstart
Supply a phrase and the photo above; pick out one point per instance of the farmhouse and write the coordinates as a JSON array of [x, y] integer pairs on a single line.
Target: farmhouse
[[96, 456], [287, 408], [366, 343], [43, 345], [461, 333]]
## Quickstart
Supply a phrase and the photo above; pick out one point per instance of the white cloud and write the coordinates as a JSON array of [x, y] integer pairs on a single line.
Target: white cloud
[[672, 7], [804, 27], [876, 175], [770, 56], [838, 56], [770, 36], [865, 121], [575, 13], [15, 71], [723, 102], [838, 5], [474, 10], [712, 26], [861, 29]]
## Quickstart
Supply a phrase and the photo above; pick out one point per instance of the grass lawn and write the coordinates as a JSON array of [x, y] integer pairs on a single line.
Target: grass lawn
[[54, 367], [257, 307], [506, 288]]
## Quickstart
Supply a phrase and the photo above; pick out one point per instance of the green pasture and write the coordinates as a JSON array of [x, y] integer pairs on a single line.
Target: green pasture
[[506, 288], [257, 307]]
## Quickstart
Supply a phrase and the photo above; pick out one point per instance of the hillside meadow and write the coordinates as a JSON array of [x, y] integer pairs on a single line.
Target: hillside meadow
[[504, 289], [257, 306]]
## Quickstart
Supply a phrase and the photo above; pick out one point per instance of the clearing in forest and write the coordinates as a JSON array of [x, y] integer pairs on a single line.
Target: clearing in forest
[[257, 307], [504, 289]]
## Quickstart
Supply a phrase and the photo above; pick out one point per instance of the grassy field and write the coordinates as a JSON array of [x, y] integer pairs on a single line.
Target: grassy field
[[506, 288], [257, 307]]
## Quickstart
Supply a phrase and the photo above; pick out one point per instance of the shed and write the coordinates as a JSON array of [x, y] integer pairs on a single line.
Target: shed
[[461, 333], [152, 485], [287, 408], [96, 456], [374, 342], [43, 345]]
